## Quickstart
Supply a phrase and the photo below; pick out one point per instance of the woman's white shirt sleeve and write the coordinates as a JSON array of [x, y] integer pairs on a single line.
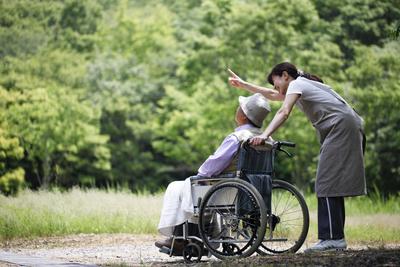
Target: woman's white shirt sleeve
[[296, 87]]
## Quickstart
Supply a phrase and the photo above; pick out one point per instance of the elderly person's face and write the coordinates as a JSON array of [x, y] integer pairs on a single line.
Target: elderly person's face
[[240, 117]]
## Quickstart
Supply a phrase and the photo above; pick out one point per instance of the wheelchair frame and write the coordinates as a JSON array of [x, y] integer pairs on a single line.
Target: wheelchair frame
[[261, 237]]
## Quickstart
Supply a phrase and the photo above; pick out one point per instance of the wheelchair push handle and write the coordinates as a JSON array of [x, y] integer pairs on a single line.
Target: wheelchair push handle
[[280, 144], [285, 143], [277, 144], [246, 144]]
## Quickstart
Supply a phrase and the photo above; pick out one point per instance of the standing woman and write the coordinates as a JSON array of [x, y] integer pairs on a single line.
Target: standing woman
[[340, 171]]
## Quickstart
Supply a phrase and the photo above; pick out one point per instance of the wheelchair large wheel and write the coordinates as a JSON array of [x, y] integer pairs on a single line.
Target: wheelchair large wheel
[[287, 225], [232, 219]]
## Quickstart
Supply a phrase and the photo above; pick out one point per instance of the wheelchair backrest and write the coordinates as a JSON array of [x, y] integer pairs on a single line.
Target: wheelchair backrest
[[256, 159], [255, 165]]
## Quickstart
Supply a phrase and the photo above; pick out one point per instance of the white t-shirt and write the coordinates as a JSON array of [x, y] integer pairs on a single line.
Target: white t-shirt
[[313, 91], [317, 100]]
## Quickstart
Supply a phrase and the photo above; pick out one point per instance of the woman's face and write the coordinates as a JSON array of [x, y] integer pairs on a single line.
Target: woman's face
[[281, 83]]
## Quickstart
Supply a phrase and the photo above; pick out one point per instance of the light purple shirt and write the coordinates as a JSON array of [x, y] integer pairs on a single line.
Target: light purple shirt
[[223, 156]]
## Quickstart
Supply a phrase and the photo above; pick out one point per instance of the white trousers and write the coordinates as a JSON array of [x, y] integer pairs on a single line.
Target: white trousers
[[177, 206]]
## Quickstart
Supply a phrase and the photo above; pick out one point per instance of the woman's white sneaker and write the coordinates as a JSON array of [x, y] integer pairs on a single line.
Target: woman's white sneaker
[[328, 245]]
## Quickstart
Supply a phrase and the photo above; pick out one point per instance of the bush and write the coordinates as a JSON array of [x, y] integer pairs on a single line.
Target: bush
[[12, 181]]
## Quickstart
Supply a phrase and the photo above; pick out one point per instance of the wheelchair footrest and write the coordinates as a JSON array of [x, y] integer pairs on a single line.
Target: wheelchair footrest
[[165, 250], [175, 252]]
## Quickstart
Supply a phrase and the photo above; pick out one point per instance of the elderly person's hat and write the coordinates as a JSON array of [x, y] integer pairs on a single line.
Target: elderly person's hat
[[255, 107]]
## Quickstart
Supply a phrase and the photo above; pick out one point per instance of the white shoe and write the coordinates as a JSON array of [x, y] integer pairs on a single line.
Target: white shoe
[[328, 245]]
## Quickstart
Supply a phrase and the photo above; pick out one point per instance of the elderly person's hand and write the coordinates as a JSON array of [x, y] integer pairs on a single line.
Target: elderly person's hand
[[235, 80], [260, 140]]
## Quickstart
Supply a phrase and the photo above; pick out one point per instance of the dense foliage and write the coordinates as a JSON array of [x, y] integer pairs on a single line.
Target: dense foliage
[[118, 93]]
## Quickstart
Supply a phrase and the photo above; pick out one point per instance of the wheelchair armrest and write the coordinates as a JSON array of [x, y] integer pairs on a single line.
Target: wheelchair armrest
[[199, 180], [203, 180], [225, 175], [198, 177]]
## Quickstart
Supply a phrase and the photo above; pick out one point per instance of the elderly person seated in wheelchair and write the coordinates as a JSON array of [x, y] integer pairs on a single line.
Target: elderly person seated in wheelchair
[[178, 205]]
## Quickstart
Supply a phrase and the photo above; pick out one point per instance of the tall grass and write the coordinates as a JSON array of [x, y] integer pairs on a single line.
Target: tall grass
[[52, 213], [47, 213]]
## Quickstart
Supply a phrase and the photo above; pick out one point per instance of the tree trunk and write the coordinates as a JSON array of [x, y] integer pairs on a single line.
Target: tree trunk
[[46, 173]]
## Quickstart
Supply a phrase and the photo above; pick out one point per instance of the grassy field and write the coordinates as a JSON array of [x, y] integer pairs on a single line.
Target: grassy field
[[44, 213], [55, 213]]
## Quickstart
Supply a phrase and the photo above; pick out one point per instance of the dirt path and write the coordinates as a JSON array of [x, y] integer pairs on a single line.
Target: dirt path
[[136, 250], [112, 249]]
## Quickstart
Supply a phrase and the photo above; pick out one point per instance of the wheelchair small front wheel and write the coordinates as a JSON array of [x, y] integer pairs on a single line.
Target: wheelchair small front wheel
[[232, 219], [288, 222], [192, 251]]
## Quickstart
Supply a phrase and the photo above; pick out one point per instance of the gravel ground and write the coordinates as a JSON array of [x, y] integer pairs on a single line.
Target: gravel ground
[[137, 250], [102, 249]]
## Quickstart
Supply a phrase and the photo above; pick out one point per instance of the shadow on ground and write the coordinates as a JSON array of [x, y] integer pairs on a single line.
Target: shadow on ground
[[369, 257]]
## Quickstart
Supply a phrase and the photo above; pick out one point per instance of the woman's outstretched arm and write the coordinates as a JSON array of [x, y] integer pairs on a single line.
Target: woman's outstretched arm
[[270, 94]]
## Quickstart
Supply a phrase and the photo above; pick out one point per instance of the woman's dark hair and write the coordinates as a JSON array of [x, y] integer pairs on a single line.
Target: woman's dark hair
[[292, 71]]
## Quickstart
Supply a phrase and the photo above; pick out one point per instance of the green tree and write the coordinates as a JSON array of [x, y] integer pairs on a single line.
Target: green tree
[[52, 128], [125, 82], [359, 21], [374, 77], [11, 174], [144, 83], [26, 26]]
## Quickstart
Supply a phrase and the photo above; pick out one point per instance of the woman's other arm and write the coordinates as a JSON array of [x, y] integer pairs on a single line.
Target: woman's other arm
[[280, 117]]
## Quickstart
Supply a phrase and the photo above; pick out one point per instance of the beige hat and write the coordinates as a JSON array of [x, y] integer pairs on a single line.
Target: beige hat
[[255, 107]]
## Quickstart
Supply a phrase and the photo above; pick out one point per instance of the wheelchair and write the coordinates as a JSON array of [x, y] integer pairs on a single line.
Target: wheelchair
[[245, 212]]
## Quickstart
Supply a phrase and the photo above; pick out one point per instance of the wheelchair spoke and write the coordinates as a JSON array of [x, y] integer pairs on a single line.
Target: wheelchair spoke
[[233, 228], [289, 225]]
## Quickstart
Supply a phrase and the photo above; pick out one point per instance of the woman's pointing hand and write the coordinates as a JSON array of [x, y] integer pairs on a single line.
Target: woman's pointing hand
[[235, 80]]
